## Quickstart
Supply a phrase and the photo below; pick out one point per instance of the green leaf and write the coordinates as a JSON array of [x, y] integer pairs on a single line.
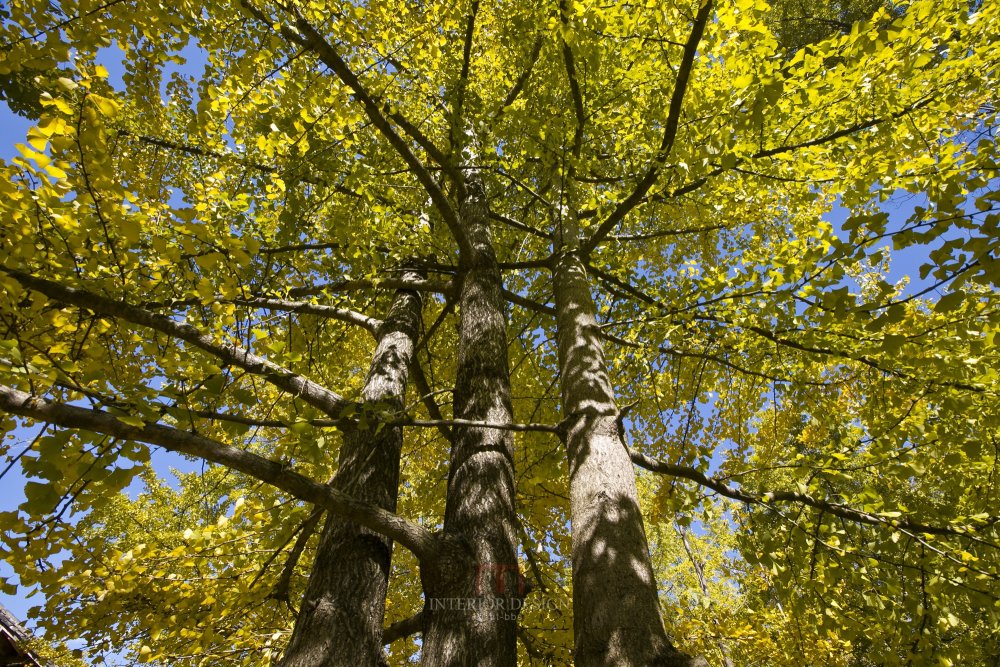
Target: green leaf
[[41, 498], [949, 302]]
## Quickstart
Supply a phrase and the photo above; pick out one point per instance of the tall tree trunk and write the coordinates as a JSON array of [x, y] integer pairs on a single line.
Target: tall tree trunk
[[473, 590], [616, 612], [341, 618]]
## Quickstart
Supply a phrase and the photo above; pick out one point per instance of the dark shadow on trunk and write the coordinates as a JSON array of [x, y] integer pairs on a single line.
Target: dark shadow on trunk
[[341, 617], [616, 611], [473, 591]]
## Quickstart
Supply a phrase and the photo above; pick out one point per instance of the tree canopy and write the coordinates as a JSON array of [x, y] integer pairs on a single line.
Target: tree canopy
[[698, 211]]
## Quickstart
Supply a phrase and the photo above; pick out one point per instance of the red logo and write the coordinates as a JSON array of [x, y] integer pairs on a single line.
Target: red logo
[[499, 572]]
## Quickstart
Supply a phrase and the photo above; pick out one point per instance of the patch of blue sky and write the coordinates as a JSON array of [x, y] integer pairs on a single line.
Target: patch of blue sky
[[911, 263]]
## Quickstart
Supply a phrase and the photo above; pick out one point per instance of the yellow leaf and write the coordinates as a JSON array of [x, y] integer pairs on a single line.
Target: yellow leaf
[[37, 139], [131, 230], [131, 420], [107, 107], [55, 172]]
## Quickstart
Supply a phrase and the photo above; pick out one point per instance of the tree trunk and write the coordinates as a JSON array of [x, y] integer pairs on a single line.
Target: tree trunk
[[616, 612], [473, 591], [341, 618]]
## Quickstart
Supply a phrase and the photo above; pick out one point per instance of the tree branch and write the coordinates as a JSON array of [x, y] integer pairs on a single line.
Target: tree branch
[[510, 222], [439, 422], [444, 287], [427, 397], [771, 498], [306, 530], [405, 628], [575, 92], [328, 55], [668, 232], [192, 149], [457, 113], [349, 316], [530, 304], [787, 148], [522, 80], [847, 131], [229, 353], [416, 538], [860, 358], [669, 131]]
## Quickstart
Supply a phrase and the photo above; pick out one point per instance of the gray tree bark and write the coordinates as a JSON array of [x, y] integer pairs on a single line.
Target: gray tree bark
[[473, 590], [341, 618], [616, 611]]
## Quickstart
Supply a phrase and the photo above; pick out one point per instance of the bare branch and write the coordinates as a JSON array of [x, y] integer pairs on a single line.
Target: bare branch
[[405, 628]]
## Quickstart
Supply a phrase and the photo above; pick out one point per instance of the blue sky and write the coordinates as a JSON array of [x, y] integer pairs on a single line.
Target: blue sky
[[12, 130]]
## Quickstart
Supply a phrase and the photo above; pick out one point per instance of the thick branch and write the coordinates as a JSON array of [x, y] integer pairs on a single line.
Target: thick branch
[[417, 539], [229, 353], [405, 628], [328, 55], [351, 317], [444, 287], [669, 130], [771, 498]]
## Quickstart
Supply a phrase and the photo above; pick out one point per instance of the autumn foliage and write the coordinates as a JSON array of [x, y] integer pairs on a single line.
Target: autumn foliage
[[664, 339]]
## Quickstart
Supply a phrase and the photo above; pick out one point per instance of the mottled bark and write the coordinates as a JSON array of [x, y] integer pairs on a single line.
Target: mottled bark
[[616, 612], [472, 590], [341, 618]]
